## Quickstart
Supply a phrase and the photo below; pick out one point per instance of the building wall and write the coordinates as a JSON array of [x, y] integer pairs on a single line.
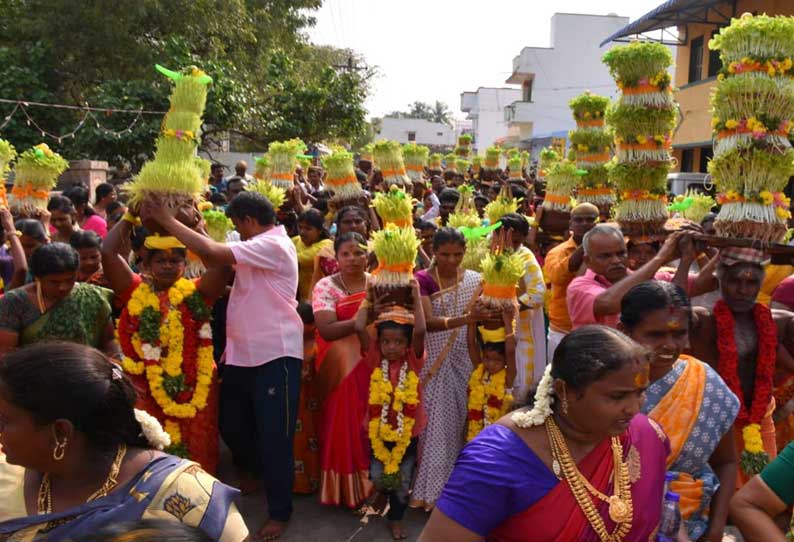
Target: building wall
[[695, 128], [569, 67], [427, 133], [485, 108]]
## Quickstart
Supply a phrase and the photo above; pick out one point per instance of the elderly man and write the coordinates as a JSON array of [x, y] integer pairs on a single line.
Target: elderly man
[[758, 340], [564, 263], [594, 298]]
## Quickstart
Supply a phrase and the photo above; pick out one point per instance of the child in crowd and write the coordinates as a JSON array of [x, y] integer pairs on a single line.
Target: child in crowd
[[492, 350], [396, 417]]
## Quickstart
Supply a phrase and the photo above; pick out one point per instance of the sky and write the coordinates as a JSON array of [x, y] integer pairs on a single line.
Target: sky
[[428, 50]]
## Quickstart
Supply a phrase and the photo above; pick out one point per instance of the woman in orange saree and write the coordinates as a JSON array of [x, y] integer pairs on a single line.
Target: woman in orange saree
[[342, 377], [691, 402]]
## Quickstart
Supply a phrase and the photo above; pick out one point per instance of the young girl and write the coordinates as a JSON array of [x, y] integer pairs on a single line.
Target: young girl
[[396, 417], [493, 352]]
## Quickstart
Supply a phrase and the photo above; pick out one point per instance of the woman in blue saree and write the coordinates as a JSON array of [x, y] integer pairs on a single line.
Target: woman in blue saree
[[76, 456]]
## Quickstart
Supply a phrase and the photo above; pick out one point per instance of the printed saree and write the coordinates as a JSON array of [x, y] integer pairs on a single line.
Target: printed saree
[[342, 386], [81, 317], [168, 488], [695, 408], [501, 490]]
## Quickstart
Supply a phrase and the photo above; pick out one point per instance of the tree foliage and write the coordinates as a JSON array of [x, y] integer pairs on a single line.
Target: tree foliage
[[269, 82], [437, 112]]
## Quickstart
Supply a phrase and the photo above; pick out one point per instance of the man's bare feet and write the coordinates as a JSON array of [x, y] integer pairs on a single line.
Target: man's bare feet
[[397, 532], [271, 530]]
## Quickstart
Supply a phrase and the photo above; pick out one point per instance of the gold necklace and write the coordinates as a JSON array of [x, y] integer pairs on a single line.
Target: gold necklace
[[620, 504], [44, 501], [344, 285]]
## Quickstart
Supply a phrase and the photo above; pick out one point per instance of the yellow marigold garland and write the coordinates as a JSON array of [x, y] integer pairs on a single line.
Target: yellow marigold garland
[[383, 396], [170, 338], [484, 394]]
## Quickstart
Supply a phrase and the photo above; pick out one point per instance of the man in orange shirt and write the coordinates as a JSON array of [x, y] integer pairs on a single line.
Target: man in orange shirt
[[564, 263]]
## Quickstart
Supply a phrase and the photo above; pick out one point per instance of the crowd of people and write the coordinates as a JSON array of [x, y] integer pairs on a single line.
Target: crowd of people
[[623, 370]]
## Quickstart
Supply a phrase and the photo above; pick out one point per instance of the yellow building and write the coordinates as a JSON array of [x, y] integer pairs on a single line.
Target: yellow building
[[688, 25]]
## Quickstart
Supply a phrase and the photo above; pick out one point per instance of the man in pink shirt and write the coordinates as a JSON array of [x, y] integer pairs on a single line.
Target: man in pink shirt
[[264, 346], [594, 298]]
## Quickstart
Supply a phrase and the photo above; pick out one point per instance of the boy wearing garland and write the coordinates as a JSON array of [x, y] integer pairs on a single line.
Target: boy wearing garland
[[166, 340], [396, 417], [746, 342]]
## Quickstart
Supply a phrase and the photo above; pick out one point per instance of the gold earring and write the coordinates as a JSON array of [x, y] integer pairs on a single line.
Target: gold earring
[[564, 401], [60, 450]]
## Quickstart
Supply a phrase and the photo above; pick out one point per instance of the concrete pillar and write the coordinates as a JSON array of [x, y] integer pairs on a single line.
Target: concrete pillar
[[89, 173]]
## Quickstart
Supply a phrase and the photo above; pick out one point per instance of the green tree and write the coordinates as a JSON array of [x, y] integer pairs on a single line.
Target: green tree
[[438, 112], [269, 83]]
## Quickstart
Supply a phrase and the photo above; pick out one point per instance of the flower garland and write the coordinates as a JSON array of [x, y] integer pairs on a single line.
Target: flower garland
[[174, 345], [754, 458], [403, 400], [544, 397], [778, 200], [488, 400]]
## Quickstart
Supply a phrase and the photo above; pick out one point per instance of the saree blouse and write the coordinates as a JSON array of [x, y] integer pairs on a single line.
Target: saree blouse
[[168, 488]]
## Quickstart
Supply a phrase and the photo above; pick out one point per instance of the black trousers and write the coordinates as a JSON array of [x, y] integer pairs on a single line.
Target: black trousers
[[258, 411]]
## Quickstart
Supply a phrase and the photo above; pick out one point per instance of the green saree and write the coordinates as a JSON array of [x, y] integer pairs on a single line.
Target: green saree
[[81, 317]]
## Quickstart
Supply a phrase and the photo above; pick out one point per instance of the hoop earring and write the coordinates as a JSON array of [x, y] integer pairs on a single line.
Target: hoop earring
[[60, 450]]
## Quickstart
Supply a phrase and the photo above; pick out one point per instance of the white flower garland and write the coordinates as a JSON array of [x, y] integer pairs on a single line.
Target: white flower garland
[[384, 411], [152, 430], [542, 407]]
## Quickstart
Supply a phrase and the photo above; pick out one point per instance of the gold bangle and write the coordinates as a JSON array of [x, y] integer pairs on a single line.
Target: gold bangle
[[509, 336], [446, 322]]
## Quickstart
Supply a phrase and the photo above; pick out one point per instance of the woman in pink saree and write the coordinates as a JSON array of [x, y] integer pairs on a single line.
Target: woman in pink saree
[[525, 478]]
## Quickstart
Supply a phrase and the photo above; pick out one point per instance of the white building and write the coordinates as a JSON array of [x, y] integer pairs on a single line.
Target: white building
[[485, 107], [419, 131], [551, 76]]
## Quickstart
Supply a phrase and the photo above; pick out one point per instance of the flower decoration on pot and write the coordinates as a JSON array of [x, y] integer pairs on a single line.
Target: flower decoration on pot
[[524, 159], [35, 174], [7, 154], [562, 176], [464, 146], [592, 146], [341, 178], [462, 166], [394, 207], [389, 158], [478, 245], [492, 156], [274, 194], [415, 157], [450, 162], [504, 204], [501, 272], [176, 176], [366, 153], [693, 205], [283, 162], [435, 162], [396, 249], [514, 165], [752, 107], [218, 224], [476, 165], [642, 121], [262, 168], [465, 211]]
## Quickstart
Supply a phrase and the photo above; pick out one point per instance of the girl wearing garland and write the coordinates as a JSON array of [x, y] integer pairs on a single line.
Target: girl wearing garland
[[493, 352], [396, 417], [582, 464], [691, 403], [342, 376], [166, 339]]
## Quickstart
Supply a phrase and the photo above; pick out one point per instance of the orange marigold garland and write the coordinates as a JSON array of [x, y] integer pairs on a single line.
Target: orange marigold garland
[[168, 340], [754, 458]]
